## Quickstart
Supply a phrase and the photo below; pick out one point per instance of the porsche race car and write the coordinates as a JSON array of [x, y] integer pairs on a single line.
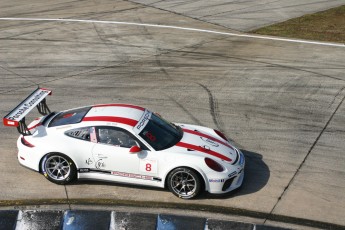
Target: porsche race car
[[127, 144]]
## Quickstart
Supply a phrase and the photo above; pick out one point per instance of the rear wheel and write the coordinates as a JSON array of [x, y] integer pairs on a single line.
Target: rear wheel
[[184, 183], [58, 168]]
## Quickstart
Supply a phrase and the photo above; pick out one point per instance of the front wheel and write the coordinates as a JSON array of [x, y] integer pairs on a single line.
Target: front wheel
[[184, 183], [58, 168]]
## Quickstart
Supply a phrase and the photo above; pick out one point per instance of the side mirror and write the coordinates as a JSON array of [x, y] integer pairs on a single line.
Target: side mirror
[[134, 149]]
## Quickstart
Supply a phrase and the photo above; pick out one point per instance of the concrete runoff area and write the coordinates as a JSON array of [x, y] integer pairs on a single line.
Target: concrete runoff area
[[282, 103]]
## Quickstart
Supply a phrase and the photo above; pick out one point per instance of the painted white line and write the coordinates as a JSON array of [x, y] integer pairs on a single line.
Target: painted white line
[[178, 28]]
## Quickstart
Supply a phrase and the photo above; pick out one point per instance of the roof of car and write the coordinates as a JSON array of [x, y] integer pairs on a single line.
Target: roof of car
[[119, 113]]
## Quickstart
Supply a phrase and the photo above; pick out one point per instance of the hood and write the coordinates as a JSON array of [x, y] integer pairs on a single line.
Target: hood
[[204, 141]]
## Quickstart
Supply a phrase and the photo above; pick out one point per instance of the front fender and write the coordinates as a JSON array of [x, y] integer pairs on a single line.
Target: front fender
[[191, 166]]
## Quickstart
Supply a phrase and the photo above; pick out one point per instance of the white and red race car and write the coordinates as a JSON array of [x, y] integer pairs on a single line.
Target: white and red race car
[[125, 143]]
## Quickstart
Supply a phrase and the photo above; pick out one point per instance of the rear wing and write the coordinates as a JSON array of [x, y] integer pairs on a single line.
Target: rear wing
[[16, 117]]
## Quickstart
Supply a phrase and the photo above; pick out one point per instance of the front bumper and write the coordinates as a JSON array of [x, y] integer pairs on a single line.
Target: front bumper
[[230, 179], [224, 185]]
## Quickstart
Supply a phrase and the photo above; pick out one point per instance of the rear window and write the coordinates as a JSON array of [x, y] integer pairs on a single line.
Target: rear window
[[69, 117]]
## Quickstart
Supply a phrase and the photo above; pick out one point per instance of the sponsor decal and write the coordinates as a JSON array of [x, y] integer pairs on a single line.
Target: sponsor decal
[[232, 174], [216, 180], [209, 141], [89, 161], [84, 170], [143, 121], [99, 164], [131, 175], [195, 132], [32, 101], [121, 174], [100, 156]]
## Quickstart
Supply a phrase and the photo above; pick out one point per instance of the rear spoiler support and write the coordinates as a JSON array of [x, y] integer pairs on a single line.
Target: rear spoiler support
[[42, 108], [17, 116], [23, 128]]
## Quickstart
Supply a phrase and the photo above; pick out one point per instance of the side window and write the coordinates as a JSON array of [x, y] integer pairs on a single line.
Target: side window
[[80, 133], [116, 137]]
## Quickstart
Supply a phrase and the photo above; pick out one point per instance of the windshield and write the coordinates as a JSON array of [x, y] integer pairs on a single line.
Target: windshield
[[161, 134]]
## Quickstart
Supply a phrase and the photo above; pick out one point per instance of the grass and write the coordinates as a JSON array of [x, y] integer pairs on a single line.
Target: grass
[[327, 25]]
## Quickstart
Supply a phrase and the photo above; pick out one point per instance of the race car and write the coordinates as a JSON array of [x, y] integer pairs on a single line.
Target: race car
[[125, 143]]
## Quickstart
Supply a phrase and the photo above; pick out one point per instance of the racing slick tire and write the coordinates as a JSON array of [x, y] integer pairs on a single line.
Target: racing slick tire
[[58, 168], [184, 183]]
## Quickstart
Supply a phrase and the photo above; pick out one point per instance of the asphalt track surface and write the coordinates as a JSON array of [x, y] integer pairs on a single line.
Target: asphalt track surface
[[282, 102]]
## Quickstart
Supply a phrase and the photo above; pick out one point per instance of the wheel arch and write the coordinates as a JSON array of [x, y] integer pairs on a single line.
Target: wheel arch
[[196, 169], [64, 171], [42, 158]]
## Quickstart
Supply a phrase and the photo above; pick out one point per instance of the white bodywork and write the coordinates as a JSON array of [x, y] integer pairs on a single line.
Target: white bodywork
[[149, 167]]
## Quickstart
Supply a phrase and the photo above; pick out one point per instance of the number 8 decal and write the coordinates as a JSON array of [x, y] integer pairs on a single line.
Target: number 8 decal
[[150, 136], [148, 167]]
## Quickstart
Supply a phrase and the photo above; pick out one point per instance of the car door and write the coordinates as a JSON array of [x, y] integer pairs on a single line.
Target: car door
[[80, 142], [112, 155]]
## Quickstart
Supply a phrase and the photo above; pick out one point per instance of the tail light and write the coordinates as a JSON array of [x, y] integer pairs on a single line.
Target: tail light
[[26, 143], [214, 165], [219, 133]]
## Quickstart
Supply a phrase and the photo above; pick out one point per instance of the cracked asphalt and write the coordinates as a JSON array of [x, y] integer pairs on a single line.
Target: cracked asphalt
[[281, 102]]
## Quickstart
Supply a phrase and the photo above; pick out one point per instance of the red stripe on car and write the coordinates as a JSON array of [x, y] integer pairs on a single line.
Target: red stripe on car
[[207, 136], [122, 120], [201, 149], [121, 105], [38, 124]]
